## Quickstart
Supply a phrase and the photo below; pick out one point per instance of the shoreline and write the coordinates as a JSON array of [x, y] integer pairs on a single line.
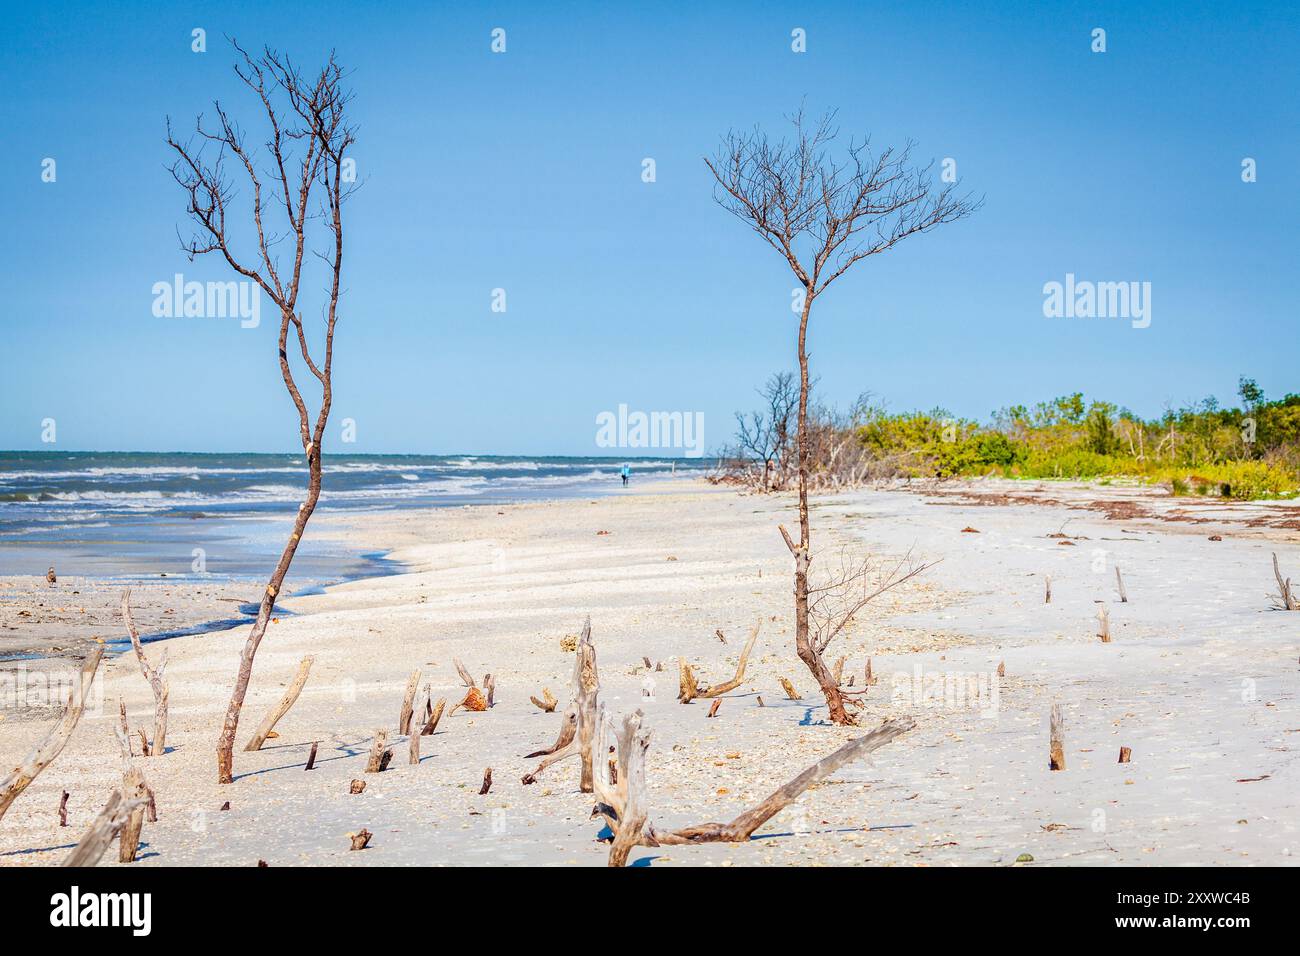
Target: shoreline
[[500, 588]]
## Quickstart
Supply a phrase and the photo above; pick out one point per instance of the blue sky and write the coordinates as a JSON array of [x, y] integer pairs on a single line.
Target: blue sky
[[522, 171]]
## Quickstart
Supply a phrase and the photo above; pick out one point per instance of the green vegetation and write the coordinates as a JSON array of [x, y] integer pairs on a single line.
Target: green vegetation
[[1248, 452]]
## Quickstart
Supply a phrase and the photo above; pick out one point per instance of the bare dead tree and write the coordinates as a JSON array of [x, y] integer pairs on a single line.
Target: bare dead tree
[[823, 214], [298, 174], [765, 437]]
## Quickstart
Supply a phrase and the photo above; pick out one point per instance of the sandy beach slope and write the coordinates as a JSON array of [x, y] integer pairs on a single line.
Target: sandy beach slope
[[1200, 681]]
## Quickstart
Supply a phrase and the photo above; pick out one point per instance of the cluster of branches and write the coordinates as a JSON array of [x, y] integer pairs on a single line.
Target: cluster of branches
[[763, 455]]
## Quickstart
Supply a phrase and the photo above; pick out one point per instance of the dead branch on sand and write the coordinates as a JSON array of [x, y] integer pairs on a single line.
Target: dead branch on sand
[[268, 723], [624, 802], [108, 824], [21, 776], [1286, 600], [689, 689], [153, 675]]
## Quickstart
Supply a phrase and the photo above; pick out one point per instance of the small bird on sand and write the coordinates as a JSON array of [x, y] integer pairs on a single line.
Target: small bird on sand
[[51, 576]]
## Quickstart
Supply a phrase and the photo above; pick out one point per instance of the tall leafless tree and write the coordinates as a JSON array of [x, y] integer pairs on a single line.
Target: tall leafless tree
[[824, 211], [301, 175]]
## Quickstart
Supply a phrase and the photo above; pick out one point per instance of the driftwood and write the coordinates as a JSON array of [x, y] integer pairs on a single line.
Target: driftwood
[[408, 703], [548, 701], [579, 726], [713, 710], [1124, 754], [153, 675], [360, 840], [63, 809], [790, 692], [435, 715], [1103, 624], [413, 744], [1286, 598], [21, 776], [1047, 595], [690, 689], [1119, 580], [108, 824], [268, 723], [136, 790], [624, 804], [380, 753], [311, 757], [144, 743], [1002, 668], [121, 706], [357, 786], [487, 782], [1056, 755], [490, 689], [464, 674]]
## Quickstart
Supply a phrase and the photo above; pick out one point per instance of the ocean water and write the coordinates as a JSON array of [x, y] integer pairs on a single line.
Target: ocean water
[[131, 514]]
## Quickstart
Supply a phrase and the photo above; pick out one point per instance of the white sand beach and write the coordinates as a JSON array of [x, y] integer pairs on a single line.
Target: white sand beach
[[1200, 681]]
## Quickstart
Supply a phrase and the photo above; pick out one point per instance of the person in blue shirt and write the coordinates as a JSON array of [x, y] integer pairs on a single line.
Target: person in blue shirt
[[626, 473]]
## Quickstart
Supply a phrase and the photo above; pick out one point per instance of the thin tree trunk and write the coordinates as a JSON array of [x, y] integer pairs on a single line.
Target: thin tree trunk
[[802, 555], [230, 726]]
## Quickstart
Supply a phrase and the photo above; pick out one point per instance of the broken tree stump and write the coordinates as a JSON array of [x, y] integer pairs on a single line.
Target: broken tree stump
[[136, 790], [713, 710], [490, 690], [790, 692], [102, 830], [408, 703], [1056, 754], [1002, 668], [53, 743], [360, 840], [1119, 580], [487, 782], [63, 809], [1047, 595], [380, 753], [311, 757], [357, 786], [1103, 624], [267, 726], [1124, 754]]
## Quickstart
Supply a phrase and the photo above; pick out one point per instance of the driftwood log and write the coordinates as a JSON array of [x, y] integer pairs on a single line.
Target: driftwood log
[[107, 825], [624, 802], [153, 675], [268, 723], [21, 776], [689, 688], [408, 703], [435, 715], [579, 721], [380, 753], [137, 791]]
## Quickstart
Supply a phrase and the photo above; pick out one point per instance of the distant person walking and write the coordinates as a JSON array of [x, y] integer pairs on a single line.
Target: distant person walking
[[626, 473]]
